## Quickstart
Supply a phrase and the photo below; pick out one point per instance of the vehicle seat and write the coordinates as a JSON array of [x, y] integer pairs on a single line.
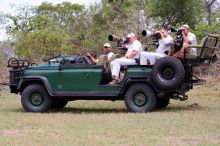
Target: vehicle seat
[[205, 51], [103, 60], [114, 56]]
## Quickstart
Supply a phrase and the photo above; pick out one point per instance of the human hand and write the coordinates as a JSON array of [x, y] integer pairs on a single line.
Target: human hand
[[160, 32], [88, 54]]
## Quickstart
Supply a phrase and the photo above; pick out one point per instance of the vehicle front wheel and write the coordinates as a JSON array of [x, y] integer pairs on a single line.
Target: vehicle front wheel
[[34, 98], [140, 98]]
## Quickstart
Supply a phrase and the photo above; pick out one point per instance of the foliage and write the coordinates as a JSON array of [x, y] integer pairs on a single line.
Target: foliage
[[210, 6], [43, 31], [171, 12], [66, 28], [202, 29]]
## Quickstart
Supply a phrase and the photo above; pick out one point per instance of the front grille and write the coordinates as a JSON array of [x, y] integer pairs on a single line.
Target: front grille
[[14, 76]]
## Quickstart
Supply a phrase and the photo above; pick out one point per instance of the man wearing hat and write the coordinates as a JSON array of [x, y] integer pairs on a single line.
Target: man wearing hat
[[107, 51], [165, 44], [134, 49], [189, 38]]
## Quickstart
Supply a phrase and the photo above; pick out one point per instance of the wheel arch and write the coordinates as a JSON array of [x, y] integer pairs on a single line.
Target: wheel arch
[[131, 81], [24, 82]]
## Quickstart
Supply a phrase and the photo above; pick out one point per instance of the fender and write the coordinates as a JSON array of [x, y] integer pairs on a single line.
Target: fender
[[131, 80], [36, 78]]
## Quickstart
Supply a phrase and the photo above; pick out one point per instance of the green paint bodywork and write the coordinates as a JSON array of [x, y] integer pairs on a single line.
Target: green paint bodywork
[[51, 72], [79, 78]]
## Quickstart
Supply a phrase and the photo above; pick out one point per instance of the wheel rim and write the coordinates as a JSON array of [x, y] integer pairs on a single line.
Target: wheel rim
[[140, 99], [168, 73], [36, 99]]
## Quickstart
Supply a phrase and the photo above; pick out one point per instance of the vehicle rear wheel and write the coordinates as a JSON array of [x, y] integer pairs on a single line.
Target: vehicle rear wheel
[[58, 103], [140, 98], [34, 98]]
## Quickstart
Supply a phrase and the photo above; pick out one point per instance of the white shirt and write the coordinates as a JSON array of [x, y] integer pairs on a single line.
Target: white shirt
[[164, 45], [192, 39], [136, 46], [109, 54]]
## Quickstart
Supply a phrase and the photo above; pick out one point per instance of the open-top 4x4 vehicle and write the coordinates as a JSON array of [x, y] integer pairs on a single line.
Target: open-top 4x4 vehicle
[[143, 88]]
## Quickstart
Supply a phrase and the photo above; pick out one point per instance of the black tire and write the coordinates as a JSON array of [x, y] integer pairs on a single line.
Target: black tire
[[162, 102], [58, 103], [140, 98], [168, 73], [34, 98]]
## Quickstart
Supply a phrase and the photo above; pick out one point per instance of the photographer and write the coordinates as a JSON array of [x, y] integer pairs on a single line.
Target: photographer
[[107, 51], [188, 39], [165, 44], [133, 50]]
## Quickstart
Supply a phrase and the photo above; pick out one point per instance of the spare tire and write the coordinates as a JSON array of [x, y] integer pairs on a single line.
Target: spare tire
[[168, 73]]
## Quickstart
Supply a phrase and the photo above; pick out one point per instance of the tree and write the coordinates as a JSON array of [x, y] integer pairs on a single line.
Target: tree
[[67, 28], [43, 30], [210, 8], [171, 12]]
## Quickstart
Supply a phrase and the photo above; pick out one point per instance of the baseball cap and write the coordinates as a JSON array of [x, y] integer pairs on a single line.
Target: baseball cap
[[131, 35], [186, 26], [107, 45]]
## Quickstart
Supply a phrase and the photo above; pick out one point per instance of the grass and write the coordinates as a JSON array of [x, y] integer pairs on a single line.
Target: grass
[[195, 122]]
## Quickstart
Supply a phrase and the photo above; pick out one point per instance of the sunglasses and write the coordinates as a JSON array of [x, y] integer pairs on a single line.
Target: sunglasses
[[106, 47]]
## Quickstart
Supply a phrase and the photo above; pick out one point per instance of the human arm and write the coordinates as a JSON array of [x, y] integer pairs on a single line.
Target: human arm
[[168, 40], [110, 56], [131, 54], [165, 38], [92, 58], [186, 40]]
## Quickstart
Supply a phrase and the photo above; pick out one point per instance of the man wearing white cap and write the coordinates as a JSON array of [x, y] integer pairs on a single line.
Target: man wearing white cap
[[134, 49], [165, 44], [189, 38], [107, 51]]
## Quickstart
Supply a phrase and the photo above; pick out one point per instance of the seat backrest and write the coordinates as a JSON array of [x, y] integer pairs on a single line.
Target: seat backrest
[[209, 45], [202, 44], [103, 60]]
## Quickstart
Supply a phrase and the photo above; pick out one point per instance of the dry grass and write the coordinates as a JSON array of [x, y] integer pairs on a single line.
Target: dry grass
[[211, 70], [193, 122]]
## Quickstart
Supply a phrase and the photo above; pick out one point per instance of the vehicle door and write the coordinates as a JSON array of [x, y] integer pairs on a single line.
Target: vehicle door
[[79, 77]]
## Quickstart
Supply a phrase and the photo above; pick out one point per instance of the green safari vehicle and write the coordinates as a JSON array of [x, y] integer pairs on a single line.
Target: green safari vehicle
[[67, 78]]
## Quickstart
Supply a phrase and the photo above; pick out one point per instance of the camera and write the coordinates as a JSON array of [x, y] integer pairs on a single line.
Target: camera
[[120, 40], [154, 35], [178, 42]]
